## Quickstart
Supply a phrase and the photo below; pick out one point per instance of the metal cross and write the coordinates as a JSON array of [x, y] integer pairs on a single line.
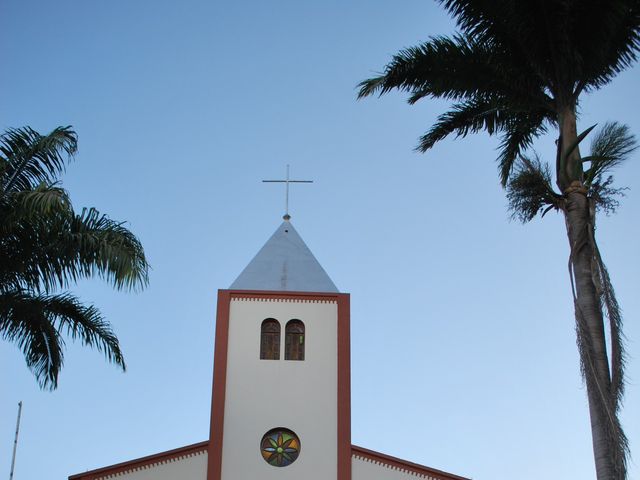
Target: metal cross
[[287, 181]]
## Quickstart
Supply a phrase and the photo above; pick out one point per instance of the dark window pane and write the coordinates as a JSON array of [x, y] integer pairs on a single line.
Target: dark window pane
[[270, 340], [294, 340]]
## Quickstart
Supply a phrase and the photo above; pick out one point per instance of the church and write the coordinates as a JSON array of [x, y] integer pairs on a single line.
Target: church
[[281, 401]]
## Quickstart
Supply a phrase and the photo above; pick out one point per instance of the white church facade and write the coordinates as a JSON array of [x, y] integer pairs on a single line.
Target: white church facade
[[281, 407]]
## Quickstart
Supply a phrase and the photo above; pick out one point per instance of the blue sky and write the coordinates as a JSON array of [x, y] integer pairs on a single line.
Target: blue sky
[[463, 353]]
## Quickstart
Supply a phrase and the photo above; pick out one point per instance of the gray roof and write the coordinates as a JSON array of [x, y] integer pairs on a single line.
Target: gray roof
[[284, 263]]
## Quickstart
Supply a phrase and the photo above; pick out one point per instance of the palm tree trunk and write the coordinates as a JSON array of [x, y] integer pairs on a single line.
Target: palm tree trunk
[[591, 339], [569, 162], [608, 449]]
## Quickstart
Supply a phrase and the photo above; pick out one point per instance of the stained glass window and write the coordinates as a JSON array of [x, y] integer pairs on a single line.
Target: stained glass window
[[270, 339], [294, 340], [280, 447]]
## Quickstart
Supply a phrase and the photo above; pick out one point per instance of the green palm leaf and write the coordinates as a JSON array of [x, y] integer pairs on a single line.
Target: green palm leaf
[[42, 200], [611, 146], [37, 323], [530, 190], [29, 159], [456, 68], [56, 250], [45, 245], [496, 96]]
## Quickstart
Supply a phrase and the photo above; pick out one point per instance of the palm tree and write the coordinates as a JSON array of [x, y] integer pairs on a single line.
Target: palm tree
[[45, 246], [517, 68]]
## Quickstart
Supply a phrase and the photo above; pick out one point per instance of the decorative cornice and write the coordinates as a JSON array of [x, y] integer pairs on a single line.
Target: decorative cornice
[[394, 463], [144, 463], [289, 297], [171, 456], [280, 300], [152, 465], [392, 467]]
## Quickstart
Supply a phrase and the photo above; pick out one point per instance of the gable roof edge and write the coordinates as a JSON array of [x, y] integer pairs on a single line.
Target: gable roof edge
[[149, 460], [400, 464]]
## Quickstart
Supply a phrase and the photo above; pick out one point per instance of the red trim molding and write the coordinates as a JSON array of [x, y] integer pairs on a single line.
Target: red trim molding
[[163, 457], [344, 388], [191, 450], [214, 467], [267, 295], [400, 464], [214, 471]]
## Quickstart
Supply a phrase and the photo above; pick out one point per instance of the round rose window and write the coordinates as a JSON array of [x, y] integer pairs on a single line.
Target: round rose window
[[280, 447]]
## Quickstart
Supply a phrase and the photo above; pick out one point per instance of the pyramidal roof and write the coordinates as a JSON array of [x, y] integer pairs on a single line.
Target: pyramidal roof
[[284, 263]]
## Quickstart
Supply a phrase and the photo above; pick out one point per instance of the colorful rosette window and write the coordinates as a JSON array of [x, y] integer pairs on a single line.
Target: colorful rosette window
[[280, 447]]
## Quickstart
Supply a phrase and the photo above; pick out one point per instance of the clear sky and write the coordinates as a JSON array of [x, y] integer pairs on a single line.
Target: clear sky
[[463, 353]]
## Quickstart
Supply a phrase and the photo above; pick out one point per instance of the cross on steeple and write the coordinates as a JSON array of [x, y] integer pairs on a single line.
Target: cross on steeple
[[287, 181]]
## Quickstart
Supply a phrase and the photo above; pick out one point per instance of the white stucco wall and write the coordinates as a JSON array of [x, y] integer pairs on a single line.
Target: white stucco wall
[[264, 394], [192, 467], [364, 469]]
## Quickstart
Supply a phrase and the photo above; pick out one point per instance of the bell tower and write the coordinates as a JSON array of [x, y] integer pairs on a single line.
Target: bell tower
[[281, 386]]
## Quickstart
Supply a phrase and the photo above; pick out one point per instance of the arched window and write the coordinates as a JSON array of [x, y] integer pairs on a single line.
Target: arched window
[[270, 340], [294, 340]]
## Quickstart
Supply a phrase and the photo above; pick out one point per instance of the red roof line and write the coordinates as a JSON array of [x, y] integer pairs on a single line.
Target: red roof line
[[140, 462], [202, 446], [403, 464]]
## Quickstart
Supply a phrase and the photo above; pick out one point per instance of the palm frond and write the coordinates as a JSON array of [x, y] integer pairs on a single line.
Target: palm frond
[[530, 191], [31, 159], [42, 201], [612, 145], [604, 196], [45, 245], [37, 323], [606, 40], [466, 117], [492, 19], [456, 68], [84, 323], [524, 29], [56, 250], [585, 44], [518, 136], [616, 337], [107, 248], [429, 68]]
